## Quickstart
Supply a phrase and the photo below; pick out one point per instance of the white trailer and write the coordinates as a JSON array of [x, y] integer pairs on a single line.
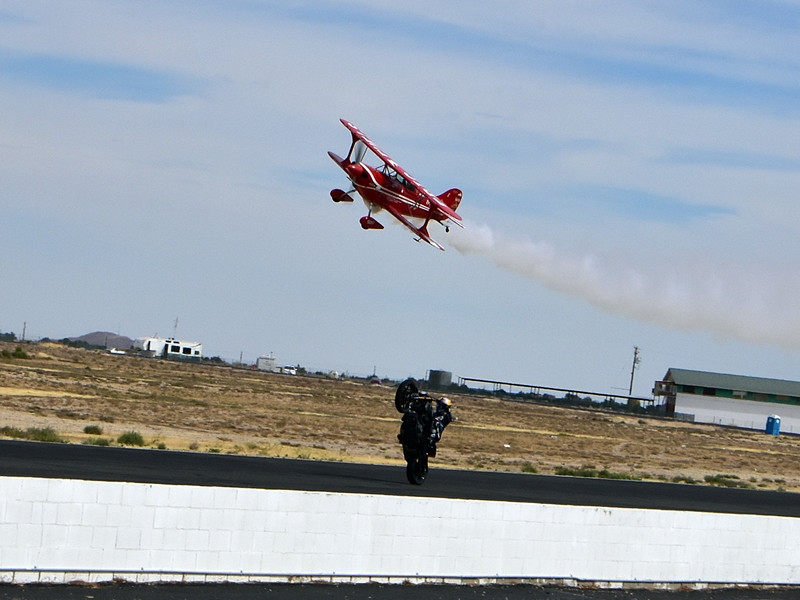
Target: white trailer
[[267, 363], [169, 348]]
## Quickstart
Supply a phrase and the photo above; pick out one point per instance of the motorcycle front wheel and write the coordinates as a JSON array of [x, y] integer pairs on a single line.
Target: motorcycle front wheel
[[417, 469], [405, 392]]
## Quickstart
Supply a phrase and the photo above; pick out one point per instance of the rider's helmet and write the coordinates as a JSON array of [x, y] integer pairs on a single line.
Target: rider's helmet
[[447, 401]]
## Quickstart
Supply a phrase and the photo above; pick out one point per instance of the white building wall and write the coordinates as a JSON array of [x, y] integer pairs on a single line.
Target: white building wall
[[739, 413], [62, 530]]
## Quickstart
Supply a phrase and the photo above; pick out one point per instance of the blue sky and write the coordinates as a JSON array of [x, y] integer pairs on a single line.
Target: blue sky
[[630, 172]]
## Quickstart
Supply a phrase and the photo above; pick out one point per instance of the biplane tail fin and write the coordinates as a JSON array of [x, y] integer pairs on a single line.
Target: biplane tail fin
[[451, 198], [423, 234]]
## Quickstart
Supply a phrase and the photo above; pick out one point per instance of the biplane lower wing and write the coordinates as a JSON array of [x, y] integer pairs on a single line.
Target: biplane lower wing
[[421, 232]]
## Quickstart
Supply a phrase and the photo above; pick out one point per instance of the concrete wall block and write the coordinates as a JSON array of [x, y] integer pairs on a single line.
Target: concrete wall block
[[178, 496], [321, 522], [84, 494], [356, 564], [133, 560], [270, 541], [201, 497], [87, 555], [280, 501], [20, 535], [128, 538], [164, 517], [103, 536], [109, 493], [119, 515], [44, 512], [291, 522], [243, 562], [12, 558], [49, 557], [188, 518], [175, 540], [164, 559], [243, 541], [211, 562], [142, 516], [59, 490], [80, 536], [208, 519], [198, 541], [219, 540], [17, 510], [69, 513], [11, 488], [94, 513], [186, 561], [509, 511], [223, 498], [236, 519], [135, 494], [55, 536], [253, 499], [152, 538], [770, 574]]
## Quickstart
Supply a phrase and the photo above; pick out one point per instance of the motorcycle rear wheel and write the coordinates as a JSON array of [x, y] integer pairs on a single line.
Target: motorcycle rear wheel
[[417, 469]]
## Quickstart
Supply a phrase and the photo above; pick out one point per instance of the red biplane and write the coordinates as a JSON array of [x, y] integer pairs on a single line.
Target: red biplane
[[391, 189]]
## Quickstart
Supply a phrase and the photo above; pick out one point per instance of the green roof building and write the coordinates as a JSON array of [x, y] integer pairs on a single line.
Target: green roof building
[[735, 400]]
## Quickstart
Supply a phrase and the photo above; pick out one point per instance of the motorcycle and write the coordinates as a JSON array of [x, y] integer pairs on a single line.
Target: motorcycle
[[424, 419]]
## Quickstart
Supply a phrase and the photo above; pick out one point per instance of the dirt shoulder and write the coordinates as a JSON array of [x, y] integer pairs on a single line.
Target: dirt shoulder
[[207, 408]]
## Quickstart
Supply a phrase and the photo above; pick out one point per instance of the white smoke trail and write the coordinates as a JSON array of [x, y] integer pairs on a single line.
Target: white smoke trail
[[758, 309]]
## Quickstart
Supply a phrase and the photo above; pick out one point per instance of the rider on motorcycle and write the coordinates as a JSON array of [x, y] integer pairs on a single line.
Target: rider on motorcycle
[[441, 418], [424, 419]]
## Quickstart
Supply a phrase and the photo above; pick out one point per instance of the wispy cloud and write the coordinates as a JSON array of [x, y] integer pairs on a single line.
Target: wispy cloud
[[96, 79], [642, 205], [738, 160]]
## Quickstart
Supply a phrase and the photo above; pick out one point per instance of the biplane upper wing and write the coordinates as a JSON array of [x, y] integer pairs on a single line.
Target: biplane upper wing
[[434, 202]]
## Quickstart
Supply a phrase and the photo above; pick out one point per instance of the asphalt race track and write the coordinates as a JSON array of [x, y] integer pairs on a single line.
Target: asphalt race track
[[370, 592], [71, 461], [67, 461]]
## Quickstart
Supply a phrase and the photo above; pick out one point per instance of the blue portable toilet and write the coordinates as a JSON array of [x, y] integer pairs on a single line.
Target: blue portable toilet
[[773, 424]]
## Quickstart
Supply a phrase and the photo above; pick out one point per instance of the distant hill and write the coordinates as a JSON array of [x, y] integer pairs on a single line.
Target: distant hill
[[104, 339]]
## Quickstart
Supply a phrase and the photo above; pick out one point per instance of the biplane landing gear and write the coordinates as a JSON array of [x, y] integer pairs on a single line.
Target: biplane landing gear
[[368, 222], [338, 195]]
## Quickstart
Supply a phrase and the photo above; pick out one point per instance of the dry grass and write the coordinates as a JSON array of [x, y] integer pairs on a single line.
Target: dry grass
[[221, 409]]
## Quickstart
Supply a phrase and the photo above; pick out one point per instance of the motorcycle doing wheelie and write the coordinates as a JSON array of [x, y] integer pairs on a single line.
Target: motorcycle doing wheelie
[[424, 419]]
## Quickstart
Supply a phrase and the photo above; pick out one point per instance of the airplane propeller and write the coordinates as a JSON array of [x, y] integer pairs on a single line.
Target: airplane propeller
[[359, 150]]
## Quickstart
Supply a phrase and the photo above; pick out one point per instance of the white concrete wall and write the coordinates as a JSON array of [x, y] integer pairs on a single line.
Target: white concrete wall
[[61, 530], [739, 413]]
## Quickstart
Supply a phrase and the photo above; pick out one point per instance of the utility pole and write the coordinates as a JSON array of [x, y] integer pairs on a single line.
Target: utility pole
[[636, 361]]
